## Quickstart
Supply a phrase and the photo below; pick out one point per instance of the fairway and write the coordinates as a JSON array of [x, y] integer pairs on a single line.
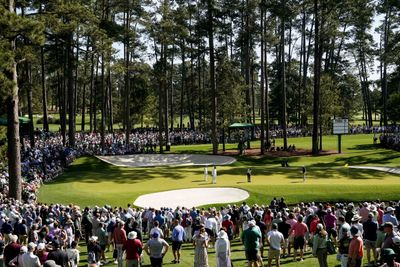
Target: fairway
[[90, 181]]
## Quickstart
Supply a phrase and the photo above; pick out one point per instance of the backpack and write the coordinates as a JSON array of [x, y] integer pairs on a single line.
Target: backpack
[[91, 257], [188, 221], [330, 247]]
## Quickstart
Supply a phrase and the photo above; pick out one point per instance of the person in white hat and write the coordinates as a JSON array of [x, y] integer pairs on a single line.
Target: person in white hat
[[355, 221], [389, 217], [29, 259], [133, 248], [223, 250]]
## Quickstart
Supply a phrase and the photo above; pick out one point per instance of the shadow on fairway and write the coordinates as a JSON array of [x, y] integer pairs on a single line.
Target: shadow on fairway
[[318, 172], [365, 147], [380, 158], [93, 170]]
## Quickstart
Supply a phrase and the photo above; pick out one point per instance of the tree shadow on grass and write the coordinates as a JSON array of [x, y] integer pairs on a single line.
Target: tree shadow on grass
[[312, 172], [93, 170], [365, 147], [380, 158]]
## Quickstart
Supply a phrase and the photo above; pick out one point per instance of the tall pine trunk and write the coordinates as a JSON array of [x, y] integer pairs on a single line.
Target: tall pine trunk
[[71, 91], [28, 68], [110, 98], [384, 58], [13, 137], [317, 80], [283, 71], [266, 83], [166, 97], [103, 106], [91, 115], [171, 93], [127, 82], [210, 7], [44, 91], [183, 83], [262, 91]]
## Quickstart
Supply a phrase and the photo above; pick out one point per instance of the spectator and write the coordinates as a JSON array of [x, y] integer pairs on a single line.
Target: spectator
[[275, 241], [119, 237], [299, 229], [73, 255], [59, 256], [223, 250], [178, 236], [388, 258], [370, 234], [319, 246], [251, 241], [18, 260], [344, 244], [29, 259], [11, 250], [156, 248], [200, 242], [133, 248], [356, 249]]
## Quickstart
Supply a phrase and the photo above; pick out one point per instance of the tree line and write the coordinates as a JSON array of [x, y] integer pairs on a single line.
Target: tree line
[[215, 62]]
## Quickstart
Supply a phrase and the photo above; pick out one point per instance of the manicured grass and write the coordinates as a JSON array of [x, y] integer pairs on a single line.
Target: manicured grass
[[238, 257], [90, 181]]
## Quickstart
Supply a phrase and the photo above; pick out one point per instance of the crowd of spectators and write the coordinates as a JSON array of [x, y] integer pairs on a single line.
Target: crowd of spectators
[[47, 235], [391, 141], [49, 157]]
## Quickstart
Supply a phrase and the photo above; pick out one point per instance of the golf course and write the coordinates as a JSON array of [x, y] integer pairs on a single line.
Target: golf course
[[89, 181], [330, 178]]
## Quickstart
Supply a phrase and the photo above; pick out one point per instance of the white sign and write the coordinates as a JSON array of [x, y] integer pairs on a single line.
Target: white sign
[[340, 126]]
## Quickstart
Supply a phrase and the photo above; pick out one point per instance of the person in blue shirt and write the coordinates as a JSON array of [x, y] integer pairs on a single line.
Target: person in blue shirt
[[160, 219], [389, 217], [178, 236]]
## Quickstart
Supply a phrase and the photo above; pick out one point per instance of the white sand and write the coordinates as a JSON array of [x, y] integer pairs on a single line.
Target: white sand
[[193, 197], [152, 160]]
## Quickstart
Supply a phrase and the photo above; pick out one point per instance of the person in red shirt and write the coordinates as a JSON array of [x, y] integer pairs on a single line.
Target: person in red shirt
[[228, 225], [356, 248], [268, 217], [11, 250], [313, 225], [119, 236], [133, 248], [299, 229]]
